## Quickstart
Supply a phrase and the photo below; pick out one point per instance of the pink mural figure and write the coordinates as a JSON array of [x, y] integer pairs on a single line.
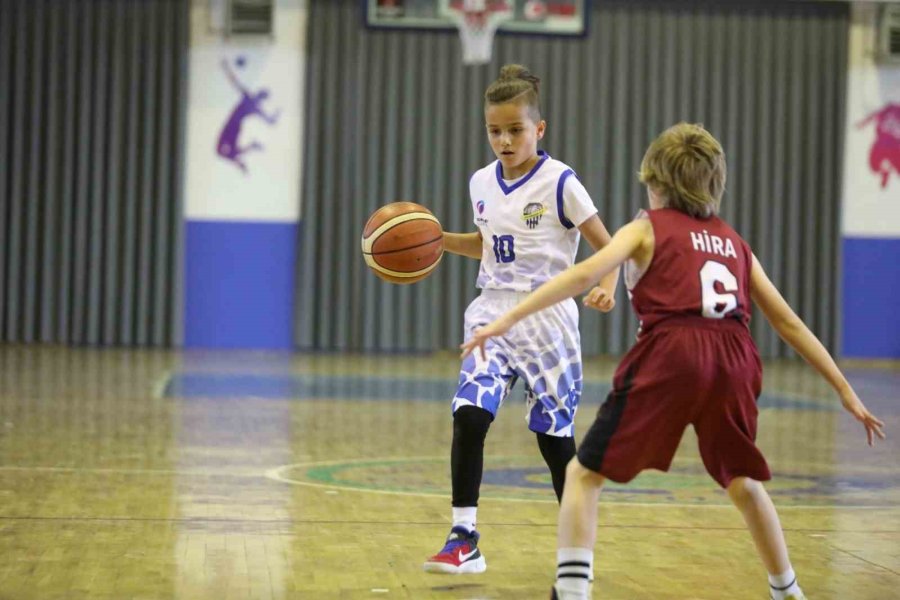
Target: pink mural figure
[[885, 153], [250, 104]]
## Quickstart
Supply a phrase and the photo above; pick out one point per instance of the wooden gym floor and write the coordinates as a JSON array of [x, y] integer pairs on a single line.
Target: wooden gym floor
[[145, 474]]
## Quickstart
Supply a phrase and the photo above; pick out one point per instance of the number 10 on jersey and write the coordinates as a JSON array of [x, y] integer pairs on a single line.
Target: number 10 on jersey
[[504, 248]]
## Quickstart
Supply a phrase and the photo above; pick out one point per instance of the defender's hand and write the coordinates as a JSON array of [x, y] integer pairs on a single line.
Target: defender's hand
[[599, 299], [482, 335], [856, 408]]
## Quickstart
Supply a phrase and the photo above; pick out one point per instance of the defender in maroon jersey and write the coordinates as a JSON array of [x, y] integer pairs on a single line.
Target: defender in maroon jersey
[[691, 279], [694, 363], [700, 267]]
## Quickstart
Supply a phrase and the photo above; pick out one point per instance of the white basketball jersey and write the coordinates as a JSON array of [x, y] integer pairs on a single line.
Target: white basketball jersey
[[529, 225]]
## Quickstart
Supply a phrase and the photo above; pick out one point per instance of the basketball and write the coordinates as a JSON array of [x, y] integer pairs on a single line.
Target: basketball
[[402, 242]]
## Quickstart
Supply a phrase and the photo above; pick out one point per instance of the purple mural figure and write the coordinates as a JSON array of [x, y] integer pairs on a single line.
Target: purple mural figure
[[885, 152], [250, 104]]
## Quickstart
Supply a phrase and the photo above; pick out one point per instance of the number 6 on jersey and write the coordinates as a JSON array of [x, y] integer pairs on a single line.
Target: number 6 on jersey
[[716, 305]]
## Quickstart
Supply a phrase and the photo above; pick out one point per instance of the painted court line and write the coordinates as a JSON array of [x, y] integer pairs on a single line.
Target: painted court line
[[277, 474]]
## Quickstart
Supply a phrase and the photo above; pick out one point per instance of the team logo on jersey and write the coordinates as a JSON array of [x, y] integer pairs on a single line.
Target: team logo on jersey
[[532, 214], [479, 206]]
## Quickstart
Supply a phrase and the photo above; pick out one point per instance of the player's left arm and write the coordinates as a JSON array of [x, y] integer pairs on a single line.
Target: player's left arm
[[580, 209], [603, 296], [794, 331], [464, 244]]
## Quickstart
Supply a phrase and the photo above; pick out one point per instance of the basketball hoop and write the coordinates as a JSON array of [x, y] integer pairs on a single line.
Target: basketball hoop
[[478, 21]]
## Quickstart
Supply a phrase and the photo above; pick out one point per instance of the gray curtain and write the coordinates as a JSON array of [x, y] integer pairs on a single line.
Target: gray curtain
[[92, 121], [395, 115]]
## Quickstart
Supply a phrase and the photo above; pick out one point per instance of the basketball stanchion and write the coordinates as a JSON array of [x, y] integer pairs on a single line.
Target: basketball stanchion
[[478, 21]]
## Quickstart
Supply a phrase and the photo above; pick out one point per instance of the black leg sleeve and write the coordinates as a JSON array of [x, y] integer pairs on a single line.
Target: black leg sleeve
[[470, 427], [557, 452]]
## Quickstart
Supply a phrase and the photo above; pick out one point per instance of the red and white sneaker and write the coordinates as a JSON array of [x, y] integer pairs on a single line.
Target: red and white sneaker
[[459, 555]]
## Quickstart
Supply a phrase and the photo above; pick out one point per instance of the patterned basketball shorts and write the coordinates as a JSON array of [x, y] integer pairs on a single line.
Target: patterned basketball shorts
[[543, 349]]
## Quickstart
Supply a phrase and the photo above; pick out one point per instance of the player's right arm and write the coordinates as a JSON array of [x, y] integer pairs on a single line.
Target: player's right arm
[[631, 241], [464, 244], [795, 332]]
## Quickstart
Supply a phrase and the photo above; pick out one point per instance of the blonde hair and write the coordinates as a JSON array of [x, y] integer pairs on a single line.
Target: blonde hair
[[515, 84], [685, 165]]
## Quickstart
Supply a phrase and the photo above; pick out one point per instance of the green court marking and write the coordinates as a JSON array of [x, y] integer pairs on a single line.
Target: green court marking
[[521, 478]]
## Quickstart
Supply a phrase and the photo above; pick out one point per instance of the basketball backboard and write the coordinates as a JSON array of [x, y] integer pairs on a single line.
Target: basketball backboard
[[542, 17]]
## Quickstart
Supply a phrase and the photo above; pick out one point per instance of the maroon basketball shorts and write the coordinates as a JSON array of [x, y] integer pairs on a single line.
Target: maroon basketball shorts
[[685, 371]]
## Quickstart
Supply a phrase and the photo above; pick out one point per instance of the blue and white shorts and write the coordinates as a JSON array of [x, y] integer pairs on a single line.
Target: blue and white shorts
[[543, 349]]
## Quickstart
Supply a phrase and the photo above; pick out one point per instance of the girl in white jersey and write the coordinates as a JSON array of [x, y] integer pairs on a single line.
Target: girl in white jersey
[[530, 210]]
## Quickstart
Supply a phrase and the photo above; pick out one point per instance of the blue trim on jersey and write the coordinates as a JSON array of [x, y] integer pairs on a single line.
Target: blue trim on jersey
[[509, 189], [559, 199]]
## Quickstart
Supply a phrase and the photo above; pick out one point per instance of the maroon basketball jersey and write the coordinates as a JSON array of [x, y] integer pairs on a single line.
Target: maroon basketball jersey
[[699, 268]]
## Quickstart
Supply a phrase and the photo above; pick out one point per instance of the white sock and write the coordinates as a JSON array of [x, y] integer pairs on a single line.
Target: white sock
[[573, 570], [782, 586], [465, 517]]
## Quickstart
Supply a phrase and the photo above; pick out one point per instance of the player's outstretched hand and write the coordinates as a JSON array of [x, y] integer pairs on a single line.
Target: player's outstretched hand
[[856, 408], [482, 335], [599, 299]]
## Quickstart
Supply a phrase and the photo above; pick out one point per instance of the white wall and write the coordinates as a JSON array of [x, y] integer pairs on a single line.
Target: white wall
[[270, 190], [871, 201], [869, 209]]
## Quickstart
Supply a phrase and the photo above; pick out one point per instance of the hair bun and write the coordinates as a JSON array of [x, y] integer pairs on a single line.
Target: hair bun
[[515, 84], [513, 71]]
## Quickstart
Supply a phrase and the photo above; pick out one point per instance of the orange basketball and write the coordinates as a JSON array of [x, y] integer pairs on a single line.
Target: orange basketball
[[402, 242]]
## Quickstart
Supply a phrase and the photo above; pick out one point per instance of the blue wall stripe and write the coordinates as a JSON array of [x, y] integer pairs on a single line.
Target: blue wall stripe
[[239, 288], [871, 328]]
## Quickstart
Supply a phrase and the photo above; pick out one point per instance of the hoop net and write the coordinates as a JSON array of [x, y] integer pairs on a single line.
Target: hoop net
[[478, 21]]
